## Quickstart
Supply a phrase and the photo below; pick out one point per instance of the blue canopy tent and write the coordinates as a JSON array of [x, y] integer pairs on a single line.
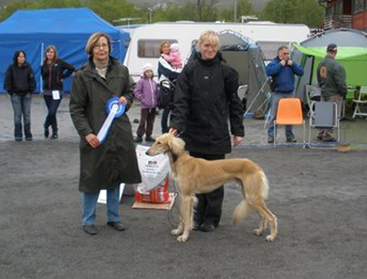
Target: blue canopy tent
[[67, 29]]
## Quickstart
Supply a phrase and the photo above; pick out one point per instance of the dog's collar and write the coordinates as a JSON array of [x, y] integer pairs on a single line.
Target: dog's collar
[[174, 157]]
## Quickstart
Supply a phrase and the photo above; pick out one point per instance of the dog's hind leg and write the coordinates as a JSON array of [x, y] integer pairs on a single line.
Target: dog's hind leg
[[186, 211], [263, 224], [269, 217]]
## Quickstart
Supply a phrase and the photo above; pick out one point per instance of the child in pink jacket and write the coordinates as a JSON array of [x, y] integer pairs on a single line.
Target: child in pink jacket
[[174, 57], [146, 91]]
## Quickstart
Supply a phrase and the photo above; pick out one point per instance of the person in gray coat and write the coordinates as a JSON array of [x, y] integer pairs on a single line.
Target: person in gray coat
[[102, 165], [331, 78]]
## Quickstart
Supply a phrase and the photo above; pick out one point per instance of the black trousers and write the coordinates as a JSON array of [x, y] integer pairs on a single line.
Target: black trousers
[[209, 207], [52, 106]]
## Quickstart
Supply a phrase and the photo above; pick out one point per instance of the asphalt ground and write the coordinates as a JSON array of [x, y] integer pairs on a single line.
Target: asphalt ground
[[319, 196]]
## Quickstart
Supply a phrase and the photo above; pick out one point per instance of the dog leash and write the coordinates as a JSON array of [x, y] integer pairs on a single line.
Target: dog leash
[[170, 214]]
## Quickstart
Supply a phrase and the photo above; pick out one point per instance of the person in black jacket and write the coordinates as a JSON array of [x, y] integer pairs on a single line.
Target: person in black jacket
[[20, 84], [205, 99], [54, 71], [166, 71]]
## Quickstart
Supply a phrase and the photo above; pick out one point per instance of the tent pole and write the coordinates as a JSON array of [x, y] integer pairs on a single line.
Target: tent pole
[[312, 65], [257, 95], [303, 63], [42, 51]]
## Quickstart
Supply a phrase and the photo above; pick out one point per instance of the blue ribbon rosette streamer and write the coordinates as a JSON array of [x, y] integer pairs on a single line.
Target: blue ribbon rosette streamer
[[114, 110]]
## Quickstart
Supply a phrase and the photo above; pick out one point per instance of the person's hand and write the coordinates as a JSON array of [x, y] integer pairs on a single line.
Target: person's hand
[[173, 131], [93, 140], [290, 63], [122, 100], [236, 140], [283, 62]]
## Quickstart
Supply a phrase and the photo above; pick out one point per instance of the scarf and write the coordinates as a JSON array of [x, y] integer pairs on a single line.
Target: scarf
[[101, 67]]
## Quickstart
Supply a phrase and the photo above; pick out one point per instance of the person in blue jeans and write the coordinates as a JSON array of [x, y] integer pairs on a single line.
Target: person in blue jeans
[[54, 71], [20, 84], [282, 71], [166, 71], [107, 164]]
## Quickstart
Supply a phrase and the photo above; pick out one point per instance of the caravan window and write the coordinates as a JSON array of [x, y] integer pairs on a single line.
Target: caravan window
[[270, 49], [357, 6], [150, 48]]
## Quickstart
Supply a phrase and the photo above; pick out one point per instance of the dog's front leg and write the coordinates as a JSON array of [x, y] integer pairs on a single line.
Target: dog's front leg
[[179, 229], [186, 207]]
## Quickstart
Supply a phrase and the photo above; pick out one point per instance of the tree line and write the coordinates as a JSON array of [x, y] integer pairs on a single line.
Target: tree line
[[308, 12]]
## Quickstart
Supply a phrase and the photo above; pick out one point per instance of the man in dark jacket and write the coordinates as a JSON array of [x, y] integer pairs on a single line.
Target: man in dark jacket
[[205, 99], [282, 71], [331, 79]]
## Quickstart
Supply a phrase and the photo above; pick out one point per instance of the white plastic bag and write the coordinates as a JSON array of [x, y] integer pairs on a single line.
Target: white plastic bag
[[153, 169], [102, 198]]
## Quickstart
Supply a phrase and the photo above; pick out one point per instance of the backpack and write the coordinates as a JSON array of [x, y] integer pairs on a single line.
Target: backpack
[[273, 84], [166, 92]]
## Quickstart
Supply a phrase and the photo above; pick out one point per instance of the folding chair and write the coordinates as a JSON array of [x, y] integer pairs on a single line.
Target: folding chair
[[289, 113], [360, 102], [323, 115], [313, 93]]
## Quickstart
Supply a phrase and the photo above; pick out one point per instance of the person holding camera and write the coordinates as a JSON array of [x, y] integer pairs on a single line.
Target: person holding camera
[[282, 70]]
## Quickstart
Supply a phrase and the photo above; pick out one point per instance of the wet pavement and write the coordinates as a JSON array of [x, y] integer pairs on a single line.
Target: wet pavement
[[318, 195]]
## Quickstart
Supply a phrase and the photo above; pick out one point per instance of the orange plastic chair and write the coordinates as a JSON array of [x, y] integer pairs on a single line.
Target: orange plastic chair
[[289, 113]]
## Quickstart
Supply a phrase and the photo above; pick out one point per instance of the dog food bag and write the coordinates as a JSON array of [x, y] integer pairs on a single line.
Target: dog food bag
[[153, 169], [158, 195]]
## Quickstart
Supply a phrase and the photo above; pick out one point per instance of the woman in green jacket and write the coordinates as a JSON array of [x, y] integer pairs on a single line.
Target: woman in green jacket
[[103, 165]]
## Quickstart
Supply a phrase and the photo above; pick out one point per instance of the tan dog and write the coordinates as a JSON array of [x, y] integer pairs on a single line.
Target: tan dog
[[197, 176]]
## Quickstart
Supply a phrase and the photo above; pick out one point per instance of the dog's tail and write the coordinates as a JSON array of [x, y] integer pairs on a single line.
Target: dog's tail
[[242, 210], [258, 182]]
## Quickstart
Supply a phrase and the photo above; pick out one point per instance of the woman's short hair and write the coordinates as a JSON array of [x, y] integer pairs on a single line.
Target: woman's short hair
[[92, 41], [211, 36], [55, 51], [16, 54], [162, 45]]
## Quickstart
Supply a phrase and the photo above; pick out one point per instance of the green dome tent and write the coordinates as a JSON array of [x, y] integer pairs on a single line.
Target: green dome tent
[[352, 54]]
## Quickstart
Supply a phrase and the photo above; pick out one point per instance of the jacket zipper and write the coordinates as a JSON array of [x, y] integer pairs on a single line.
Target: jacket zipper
[[49, 77], [152, 93]]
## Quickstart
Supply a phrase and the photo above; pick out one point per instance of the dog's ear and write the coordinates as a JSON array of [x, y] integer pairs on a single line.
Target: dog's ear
[[176, 145]]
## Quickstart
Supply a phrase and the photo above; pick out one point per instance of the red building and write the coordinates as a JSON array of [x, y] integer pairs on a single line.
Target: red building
[[345, 13]]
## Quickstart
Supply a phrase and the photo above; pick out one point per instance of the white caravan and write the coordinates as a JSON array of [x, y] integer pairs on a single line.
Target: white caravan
[[145, 42]]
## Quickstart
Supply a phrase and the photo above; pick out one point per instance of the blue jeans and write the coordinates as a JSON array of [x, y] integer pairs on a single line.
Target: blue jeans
[[164, 120], [22, 107], [89, 204], [275, 97], [52, 106]]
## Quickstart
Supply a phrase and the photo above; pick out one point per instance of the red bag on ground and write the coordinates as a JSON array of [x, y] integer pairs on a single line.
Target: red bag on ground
[[159, 194]]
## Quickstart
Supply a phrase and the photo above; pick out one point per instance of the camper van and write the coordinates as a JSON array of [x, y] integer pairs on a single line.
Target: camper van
[[145, 42]]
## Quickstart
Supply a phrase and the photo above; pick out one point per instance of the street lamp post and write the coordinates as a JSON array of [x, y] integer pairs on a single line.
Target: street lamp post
[[235, 11], [150, 10]]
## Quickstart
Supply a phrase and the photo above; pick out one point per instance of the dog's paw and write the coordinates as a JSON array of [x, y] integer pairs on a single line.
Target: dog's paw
[[257, 232], [182, 238], [176, 232], [270, 238]]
